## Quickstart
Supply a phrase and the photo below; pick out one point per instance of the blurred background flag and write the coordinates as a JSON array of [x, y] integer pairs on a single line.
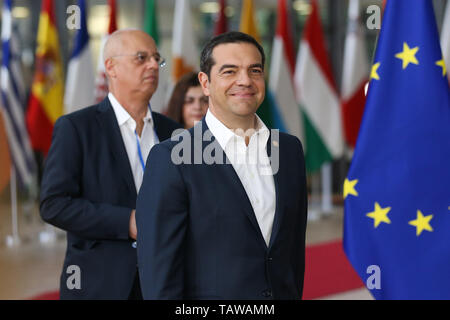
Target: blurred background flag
[[397, 204], [160, 97], [101, 82], [47, 97], [151, 20], [221, 23], [248, 24], [184, 47], [287, 116], [268, 108], [445, 38], [80, 75], [355, 74], [318, 97], [13, 103]]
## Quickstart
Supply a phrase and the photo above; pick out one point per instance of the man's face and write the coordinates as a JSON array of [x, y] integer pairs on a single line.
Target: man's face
[[136, 66], [236, 83]]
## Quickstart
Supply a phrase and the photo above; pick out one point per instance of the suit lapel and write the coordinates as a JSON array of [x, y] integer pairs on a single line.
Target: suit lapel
[[108, 123], [229, 174], [273, 147]]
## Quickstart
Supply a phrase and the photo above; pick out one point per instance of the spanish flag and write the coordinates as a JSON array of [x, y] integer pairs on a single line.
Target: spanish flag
[[47, 92]]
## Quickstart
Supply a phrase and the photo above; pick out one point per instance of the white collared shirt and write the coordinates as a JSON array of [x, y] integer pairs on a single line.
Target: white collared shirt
[[250, 163], [147, 139]]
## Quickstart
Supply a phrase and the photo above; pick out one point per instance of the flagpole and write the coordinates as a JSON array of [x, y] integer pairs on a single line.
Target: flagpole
[[326, 174], [14, 239], [313, 207]]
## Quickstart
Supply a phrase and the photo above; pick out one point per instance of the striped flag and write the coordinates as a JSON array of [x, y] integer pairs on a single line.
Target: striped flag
[[221, 24], [318, 97], [355, 75], [445, 38], [184, 49], [101, 83], [287, 117], [13, 101], [47, 98], [80, 75]]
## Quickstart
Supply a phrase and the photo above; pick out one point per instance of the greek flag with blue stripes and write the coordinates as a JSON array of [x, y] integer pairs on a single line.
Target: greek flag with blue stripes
[[13, 97]]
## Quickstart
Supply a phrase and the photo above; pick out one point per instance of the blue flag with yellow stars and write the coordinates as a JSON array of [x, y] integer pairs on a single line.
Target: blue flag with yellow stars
[[397, 191]]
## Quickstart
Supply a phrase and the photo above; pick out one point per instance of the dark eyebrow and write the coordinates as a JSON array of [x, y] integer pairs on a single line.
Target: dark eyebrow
[[226, 66], [256, 65]]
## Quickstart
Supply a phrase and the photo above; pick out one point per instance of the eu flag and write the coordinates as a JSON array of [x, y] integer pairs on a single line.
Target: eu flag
[[397, 192]]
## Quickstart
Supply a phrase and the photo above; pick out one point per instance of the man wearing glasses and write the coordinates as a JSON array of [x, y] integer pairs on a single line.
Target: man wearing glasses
[[95, 168]]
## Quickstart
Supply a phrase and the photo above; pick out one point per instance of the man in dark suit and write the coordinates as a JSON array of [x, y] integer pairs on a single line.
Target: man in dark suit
[[94, 170], [216, 218]]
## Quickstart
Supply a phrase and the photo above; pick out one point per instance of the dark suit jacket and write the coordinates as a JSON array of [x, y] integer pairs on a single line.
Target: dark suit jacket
[[198, 237], [88, 190]]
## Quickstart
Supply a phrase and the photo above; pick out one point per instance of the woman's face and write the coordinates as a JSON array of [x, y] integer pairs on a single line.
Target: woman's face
[[195, 106]]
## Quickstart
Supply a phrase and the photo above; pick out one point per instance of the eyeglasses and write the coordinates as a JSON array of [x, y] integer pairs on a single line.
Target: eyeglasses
[[143, 57]]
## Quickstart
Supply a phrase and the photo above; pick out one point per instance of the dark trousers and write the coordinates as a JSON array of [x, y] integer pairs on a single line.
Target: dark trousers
[[136, 293]]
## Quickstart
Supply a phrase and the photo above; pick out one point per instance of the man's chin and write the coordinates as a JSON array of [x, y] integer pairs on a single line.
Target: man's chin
[[245, 109]]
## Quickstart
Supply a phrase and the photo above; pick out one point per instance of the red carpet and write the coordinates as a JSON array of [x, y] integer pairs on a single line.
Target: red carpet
[[53, 295], [327, 272]]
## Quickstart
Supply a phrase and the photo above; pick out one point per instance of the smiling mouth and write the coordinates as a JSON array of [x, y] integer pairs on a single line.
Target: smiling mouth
[[243, 94]]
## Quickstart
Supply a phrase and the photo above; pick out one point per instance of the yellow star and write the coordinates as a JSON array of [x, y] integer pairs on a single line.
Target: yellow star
[[421, 223], [349, 188], [373, 72], [379, 215], [408, 55], [441, 63]]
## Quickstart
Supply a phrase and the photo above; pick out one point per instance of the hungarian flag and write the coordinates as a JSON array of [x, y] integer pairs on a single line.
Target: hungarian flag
[[355, 74], [221, 24], [318, 97], [101, 83], [184, 50], [47, 92], [287, 116]]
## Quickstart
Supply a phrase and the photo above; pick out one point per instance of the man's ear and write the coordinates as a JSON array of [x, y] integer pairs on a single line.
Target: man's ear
[[204, 82], [109, 68]]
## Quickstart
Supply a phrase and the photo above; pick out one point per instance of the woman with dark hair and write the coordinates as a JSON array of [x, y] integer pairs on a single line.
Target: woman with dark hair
[[187, 103]]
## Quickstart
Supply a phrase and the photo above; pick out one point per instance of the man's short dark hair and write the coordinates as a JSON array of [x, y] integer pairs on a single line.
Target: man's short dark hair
[[206, 59]]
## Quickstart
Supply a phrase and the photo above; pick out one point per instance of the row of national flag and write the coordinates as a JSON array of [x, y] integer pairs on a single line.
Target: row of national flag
[[302, 97], [397, 200]]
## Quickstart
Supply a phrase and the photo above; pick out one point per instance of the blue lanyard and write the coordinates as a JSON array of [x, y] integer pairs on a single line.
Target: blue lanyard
[[141, 158], [156, 139]]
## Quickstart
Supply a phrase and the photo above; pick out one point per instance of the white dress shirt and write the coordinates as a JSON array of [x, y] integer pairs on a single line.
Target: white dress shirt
[[147, 139], [250, 163]]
